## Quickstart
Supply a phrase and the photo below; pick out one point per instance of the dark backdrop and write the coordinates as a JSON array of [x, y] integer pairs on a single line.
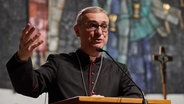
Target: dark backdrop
[[13, 16]]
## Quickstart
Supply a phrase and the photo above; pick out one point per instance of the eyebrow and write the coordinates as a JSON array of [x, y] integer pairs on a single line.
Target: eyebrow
[[103, 22]]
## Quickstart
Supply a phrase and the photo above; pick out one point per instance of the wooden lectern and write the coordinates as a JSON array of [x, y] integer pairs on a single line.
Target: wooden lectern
[[109, 100]]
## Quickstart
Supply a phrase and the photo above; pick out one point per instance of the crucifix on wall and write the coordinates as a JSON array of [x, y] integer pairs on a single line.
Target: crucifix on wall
[[162, 58], [182, 3]]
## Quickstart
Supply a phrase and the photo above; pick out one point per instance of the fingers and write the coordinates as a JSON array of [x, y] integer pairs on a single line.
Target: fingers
[[33, 42], [27, 32], [24, 32], [36, 45], [28, 40]]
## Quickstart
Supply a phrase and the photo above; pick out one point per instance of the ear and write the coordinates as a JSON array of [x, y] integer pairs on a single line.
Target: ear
[[76, 29]]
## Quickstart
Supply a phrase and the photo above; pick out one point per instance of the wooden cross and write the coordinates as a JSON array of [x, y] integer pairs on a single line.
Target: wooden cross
[[181, 18], [181, 3], [163, 59]]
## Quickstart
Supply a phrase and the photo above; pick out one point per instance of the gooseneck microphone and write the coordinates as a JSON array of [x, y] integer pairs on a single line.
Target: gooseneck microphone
[[144, 101]]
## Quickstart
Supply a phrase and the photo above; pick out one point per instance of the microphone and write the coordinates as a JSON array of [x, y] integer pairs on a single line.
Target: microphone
[[144, 101]]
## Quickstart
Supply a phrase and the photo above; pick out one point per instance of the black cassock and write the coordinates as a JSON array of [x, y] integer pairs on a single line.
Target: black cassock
[[61, 76]]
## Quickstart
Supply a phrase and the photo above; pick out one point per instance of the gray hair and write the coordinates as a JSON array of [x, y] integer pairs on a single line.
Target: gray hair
[[93, 9]]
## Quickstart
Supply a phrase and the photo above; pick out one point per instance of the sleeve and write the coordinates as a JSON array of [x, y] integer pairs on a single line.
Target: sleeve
[[27, 81], [128, 87]]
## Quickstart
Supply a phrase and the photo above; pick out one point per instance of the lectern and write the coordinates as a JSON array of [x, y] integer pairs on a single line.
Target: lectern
[[109, 100]]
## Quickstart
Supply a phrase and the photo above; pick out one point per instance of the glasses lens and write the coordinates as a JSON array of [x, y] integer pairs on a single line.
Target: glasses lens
[[104, 27], [94, 26]]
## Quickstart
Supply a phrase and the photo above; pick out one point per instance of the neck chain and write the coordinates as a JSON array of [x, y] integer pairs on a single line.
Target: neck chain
[[82, 75]]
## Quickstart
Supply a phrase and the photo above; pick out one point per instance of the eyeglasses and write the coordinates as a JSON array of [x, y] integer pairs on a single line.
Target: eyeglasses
[[92, 26]]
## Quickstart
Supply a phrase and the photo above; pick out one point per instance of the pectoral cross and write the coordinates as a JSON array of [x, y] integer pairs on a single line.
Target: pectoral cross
[[163, 59]]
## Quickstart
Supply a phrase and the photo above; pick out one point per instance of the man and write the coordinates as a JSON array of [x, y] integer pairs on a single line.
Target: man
[[82, 73]]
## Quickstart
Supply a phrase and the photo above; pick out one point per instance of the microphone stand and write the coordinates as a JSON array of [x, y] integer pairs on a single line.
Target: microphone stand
[[144, 101]]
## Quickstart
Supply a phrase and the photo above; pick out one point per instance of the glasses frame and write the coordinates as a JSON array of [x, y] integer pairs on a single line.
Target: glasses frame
[[93, 26]]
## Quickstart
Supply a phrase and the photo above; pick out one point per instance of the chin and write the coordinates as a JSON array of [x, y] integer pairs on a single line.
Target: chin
[[98, 46]]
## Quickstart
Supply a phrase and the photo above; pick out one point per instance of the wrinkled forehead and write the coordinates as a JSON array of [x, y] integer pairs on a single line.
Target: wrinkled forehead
[[96, 17]]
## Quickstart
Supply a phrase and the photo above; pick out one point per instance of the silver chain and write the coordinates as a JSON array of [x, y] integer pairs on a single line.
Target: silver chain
[[82, 75]]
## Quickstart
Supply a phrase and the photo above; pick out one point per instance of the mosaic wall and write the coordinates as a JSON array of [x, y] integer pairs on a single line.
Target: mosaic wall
[[133, 49], [133, 41]]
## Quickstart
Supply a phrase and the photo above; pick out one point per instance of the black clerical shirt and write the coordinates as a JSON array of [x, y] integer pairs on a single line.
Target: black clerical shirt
[[62, 78]]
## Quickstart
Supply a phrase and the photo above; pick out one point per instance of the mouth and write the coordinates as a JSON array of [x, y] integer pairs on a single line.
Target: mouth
[[98, 40], [98, 43]]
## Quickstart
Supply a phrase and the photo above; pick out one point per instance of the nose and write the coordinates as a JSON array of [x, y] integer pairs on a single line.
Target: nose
[[99, 30]]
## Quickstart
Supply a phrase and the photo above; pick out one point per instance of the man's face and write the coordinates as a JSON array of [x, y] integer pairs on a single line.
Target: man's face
[[93, 31]]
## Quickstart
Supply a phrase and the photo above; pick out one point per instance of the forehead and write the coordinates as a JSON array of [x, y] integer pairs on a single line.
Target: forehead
[[98, 17]]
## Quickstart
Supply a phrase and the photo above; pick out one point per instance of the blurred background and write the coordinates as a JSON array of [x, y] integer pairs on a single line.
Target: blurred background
[[137, 29]]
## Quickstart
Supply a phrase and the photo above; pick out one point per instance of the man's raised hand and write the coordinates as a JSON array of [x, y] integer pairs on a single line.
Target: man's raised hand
[[29, 40]]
